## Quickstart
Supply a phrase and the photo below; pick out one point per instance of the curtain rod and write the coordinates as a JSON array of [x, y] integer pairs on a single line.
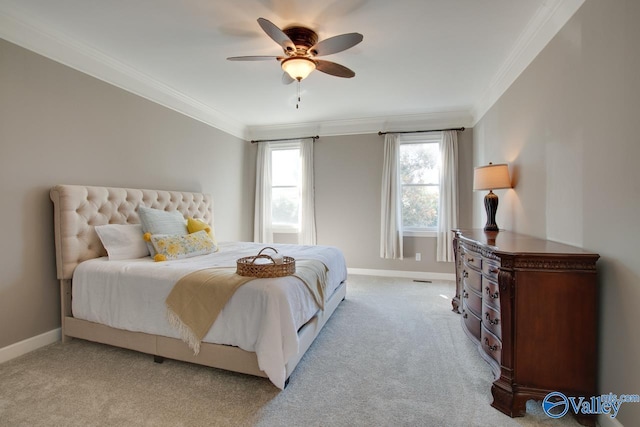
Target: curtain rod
[[420, 131], [253, 141]]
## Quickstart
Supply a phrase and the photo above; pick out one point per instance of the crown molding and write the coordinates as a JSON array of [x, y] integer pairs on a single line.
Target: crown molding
[[61, 48], [551, 17], [407, 122], [79, 56]]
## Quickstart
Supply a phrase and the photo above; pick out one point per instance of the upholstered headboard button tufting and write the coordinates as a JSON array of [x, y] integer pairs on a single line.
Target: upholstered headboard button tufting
[[78, 209]]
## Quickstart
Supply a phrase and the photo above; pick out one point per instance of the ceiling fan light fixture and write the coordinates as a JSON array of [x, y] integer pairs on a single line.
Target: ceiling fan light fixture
[[298, 67]]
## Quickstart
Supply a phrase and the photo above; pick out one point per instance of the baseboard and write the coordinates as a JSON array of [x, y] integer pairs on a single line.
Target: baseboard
[[606, 421], [421, 275], [23, 347]]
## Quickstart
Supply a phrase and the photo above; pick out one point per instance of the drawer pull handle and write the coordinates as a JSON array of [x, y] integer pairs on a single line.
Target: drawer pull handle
[[470, 259], [465, 294], [465, 274], [465, 315], [494, 295], [490, 347], [491, 321]]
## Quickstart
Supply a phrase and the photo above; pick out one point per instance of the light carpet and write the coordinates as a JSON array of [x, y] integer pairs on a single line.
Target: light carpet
[[393, 354]]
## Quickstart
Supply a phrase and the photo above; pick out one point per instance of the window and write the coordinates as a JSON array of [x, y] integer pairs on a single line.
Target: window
[[285, 191], [285, 188], [419, 168], [419, 194]]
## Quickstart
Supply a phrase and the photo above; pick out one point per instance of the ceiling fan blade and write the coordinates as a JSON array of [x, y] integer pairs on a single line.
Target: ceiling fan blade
[[333, 68], [287, 79], [253, 58], [336, 44], [277, 34]]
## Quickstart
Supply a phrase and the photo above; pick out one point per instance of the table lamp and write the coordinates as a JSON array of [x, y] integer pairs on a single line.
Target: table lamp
[[491, 177]]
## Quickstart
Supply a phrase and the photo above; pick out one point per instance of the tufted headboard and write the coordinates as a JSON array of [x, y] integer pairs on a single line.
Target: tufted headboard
[[77, 209]]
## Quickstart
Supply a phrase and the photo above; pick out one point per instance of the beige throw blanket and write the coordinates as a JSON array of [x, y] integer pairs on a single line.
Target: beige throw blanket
[[314, 275], [197, 299]]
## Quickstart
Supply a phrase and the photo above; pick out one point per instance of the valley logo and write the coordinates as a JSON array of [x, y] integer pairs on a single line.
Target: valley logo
[[556, 404]]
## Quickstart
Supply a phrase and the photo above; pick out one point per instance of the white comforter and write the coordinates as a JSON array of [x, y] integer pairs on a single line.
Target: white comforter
[[263, 316]]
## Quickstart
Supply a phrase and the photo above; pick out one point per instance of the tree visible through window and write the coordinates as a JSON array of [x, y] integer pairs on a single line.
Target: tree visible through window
[[286, 184], [419, 177]]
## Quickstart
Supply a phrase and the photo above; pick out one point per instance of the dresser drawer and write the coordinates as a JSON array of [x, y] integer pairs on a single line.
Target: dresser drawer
[[472, 279], [491, 344], [490, 269], [472, 259], [491, 295], [471, 321], [491, 320], [473, 301]]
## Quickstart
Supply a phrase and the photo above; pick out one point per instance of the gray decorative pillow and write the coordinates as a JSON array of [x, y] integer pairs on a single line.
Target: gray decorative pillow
[[156, 221]]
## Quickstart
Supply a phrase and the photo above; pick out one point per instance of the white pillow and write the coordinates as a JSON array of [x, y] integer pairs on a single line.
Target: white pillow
[[122, 241], [156, 221]]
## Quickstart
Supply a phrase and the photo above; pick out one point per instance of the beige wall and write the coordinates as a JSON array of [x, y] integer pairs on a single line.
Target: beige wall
[[348, 176], [59, 126], [568, 128]]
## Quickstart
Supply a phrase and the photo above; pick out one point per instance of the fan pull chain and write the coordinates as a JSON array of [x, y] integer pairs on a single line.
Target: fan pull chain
[[298, 94]]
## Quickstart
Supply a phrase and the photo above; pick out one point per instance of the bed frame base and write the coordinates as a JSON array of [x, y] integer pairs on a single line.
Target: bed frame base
[[213, 355]]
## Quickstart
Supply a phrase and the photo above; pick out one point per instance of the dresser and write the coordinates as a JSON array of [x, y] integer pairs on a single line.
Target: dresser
[[531, 306]]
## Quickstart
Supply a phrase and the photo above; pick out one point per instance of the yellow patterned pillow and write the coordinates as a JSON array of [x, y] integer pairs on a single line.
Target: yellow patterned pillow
[[195, 225], [177, 246]]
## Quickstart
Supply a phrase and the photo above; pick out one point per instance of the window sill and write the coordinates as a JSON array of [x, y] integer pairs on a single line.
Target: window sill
[[421, 233], [285, 231]]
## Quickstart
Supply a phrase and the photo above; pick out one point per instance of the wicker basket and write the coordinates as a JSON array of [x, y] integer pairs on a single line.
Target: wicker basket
[[247, 266]]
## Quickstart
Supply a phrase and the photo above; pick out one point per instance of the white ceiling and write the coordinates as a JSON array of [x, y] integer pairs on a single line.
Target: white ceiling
[[422, 63]]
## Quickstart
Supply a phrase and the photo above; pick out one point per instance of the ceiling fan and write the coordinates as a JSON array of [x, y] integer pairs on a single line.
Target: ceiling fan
[[301, 49]]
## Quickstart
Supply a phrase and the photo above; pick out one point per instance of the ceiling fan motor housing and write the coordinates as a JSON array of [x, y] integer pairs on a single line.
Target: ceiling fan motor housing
[[303, 38]]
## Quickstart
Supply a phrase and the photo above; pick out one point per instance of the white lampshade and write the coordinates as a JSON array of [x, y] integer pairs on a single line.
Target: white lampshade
[[491, 177], [298, 67]]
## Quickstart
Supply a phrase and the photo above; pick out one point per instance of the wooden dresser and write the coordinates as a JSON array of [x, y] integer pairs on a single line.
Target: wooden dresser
[[531, 305]]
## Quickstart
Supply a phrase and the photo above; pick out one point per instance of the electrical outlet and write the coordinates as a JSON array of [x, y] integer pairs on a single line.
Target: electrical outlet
[[418, 256]]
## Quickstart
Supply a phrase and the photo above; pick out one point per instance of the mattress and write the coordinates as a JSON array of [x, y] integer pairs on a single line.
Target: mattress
[[263, 316]]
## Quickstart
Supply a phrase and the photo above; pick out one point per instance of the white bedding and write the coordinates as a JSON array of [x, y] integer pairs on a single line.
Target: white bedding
[[263, 316]]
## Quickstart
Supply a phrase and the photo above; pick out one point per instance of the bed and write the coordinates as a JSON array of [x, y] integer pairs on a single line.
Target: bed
[[264, 329]]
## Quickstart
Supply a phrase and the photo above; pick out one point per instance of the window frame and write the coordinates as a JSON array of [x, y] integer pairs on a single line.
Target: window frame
[[281, 228], [410, 139]]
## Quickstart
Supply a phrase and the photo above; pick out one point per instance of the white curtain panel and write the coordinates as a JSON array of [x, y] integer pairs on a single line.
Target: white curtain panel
[[391, 223], [448, 215], [262, 230], [307, 235]]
